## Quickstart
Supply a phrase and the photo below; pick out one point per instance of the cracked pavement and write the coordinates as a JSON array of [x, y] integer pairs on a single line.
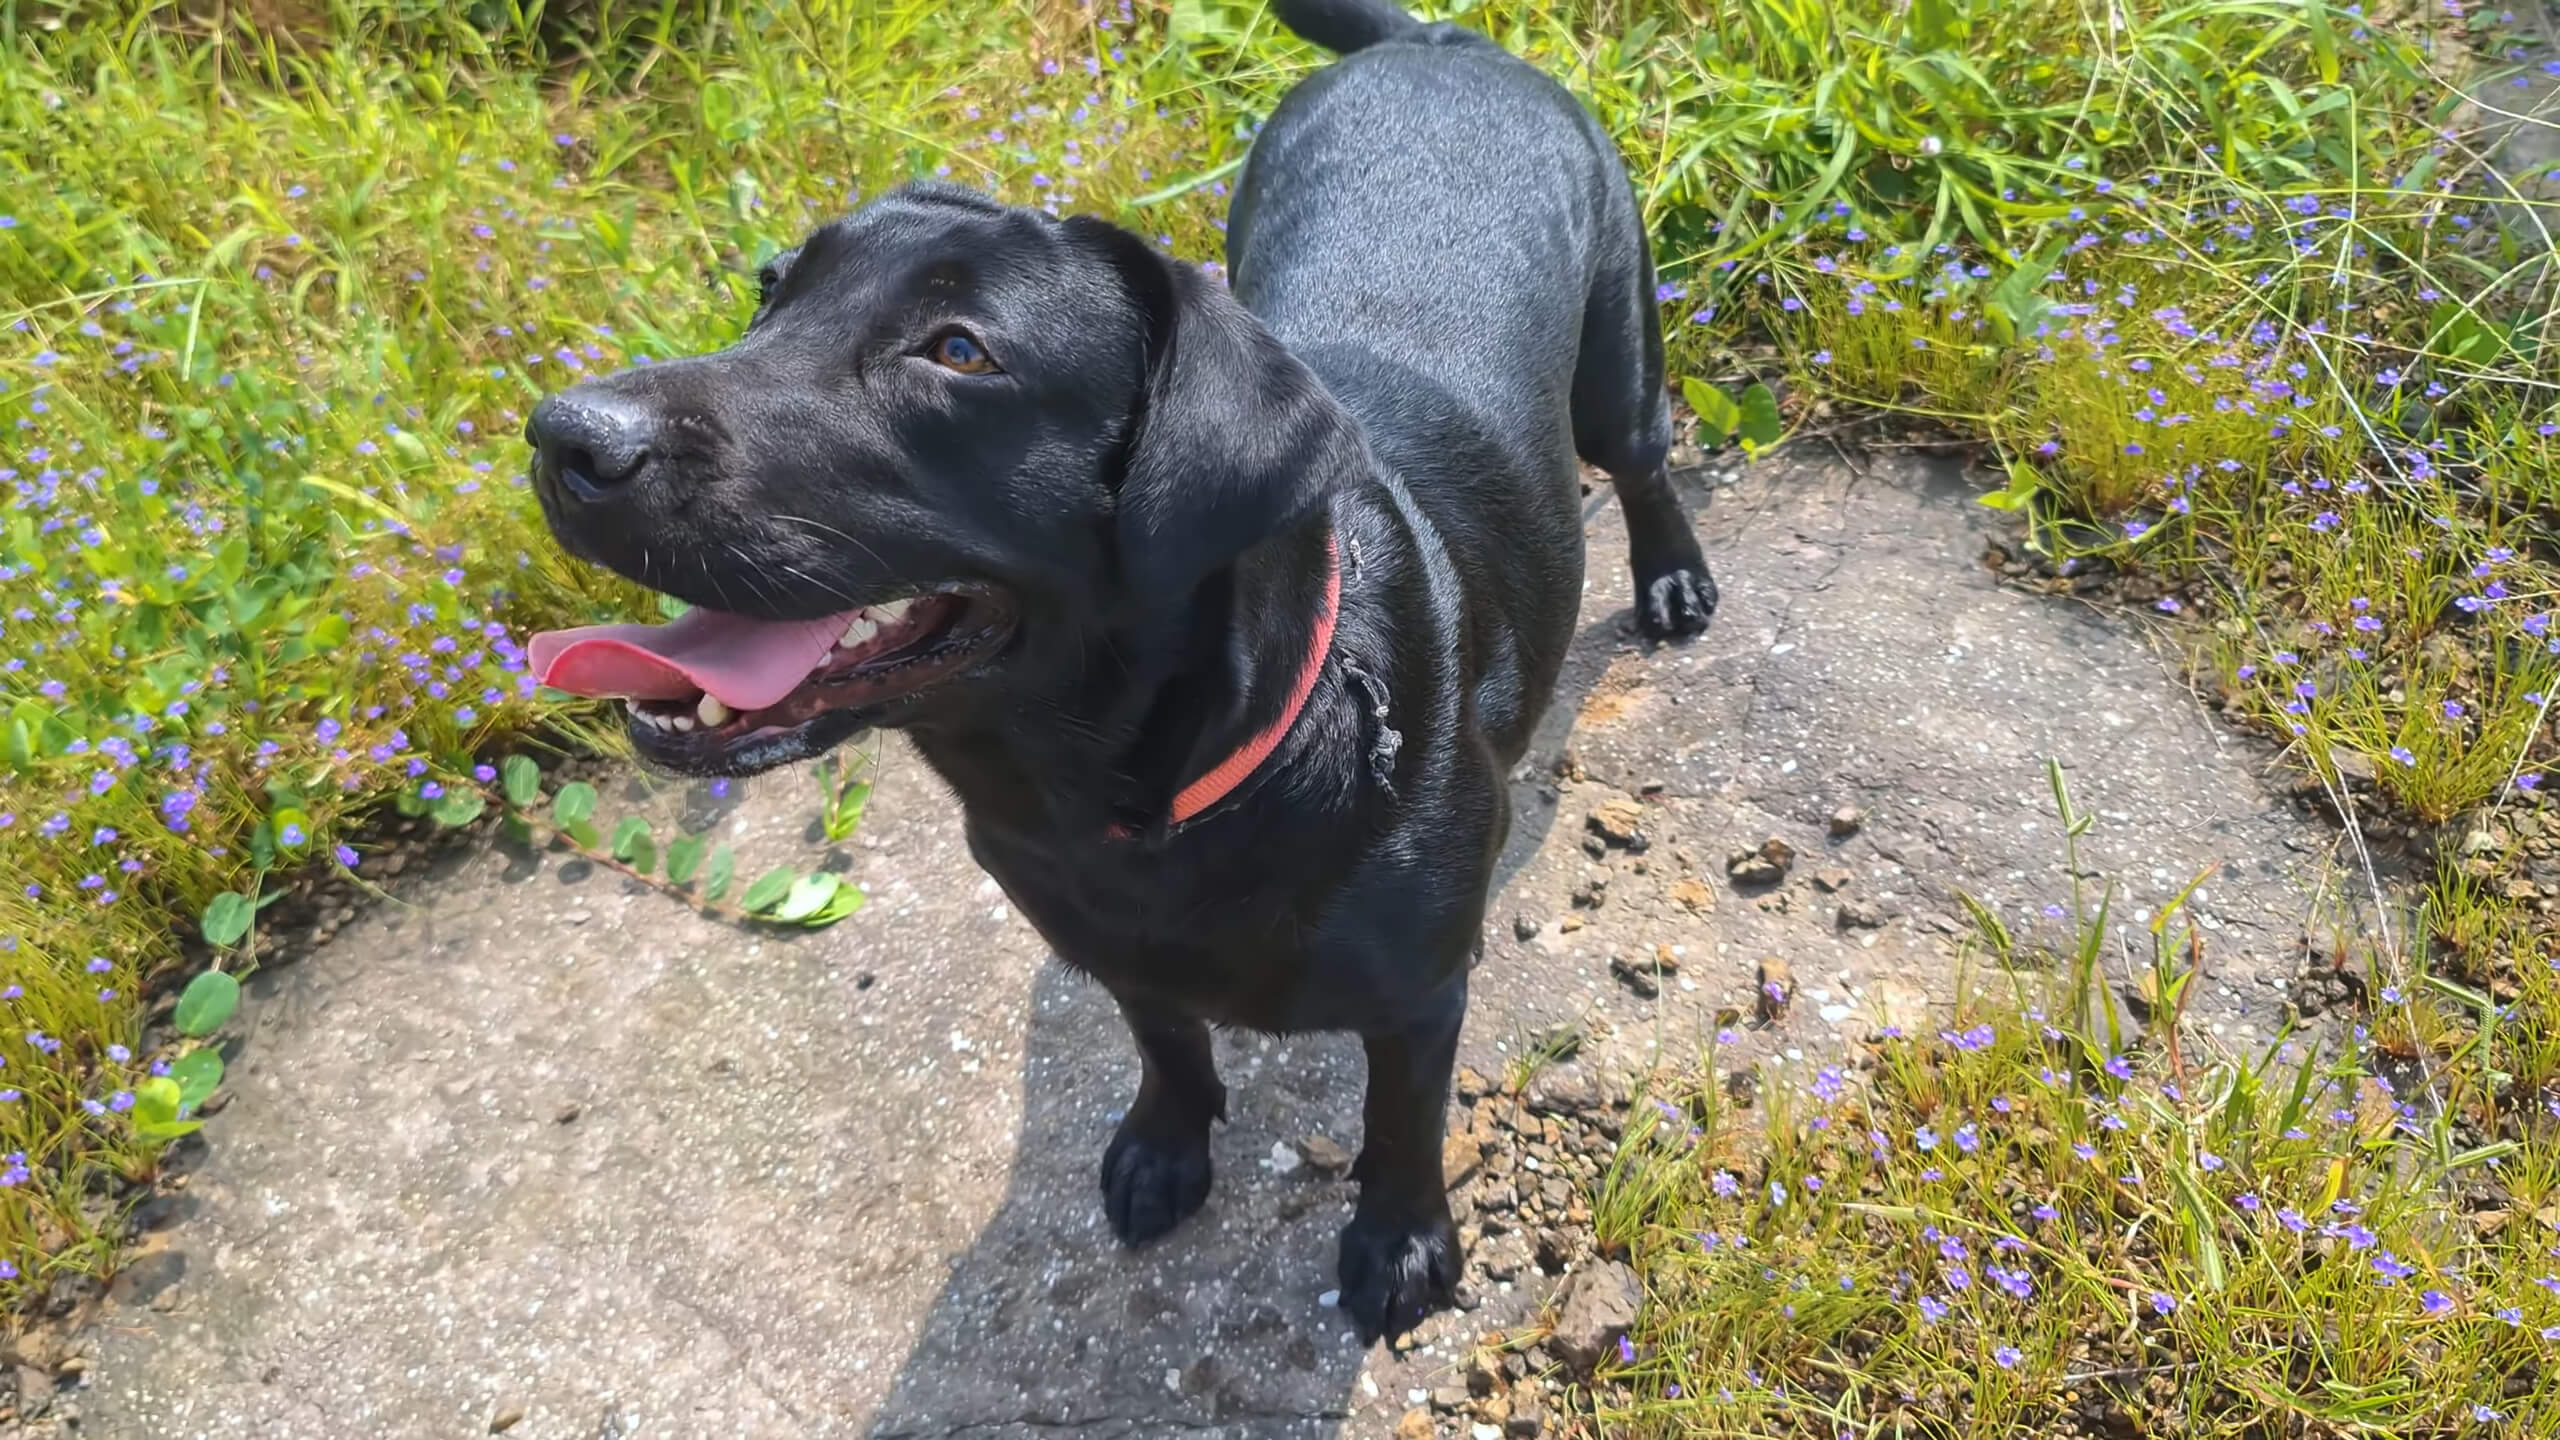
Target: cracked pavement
[[539, 1143]]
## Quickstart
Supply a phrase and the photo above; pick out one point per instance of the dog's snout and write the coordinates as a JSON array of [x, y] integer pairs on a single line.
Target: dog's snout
[[593, 441]]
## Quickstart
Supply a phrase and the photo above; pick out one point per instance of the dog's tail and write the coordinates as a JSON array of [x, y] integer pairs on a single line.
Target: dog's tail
[[1343, 26]]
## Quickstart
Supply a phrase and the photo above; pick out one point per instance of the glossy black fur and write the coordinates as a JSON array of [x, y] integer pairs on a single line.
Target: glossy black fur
[[1445, 298]]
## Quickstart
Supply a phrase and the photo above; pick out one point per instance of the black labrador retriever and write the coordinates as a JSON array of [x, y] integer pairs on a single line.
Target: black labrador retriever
[[1226, 615]]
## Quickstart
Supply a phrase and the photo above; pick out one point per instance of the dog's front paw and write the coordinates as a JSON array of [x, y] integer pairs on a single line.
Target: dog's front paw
[[1151, 1181], [1394, 1272], [1676, 602]]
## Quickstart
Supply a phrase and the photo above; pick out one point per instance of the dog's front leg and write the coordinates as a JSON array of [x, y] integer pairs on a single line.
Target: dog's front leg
[[1156, 1171], [1400, 1251]]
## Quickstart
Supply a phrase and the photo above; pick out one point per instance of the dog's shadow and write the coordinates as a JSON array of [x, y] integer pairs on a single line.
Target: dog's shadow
[[1047, 1322]]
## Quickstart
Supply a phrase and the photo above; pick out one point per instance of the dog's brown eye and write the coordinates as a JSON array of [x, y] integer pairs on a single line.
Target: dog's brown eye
[[956, 351]]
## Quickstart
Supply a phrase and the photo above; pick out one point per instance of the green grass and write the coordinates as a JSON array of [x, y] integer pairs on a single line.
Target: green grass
[[2205, 280], [2031, 1223]]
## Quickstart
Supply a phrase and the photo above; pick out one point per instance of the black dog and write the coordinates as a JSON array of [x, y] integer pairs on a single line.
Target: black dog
[[1225, 616]]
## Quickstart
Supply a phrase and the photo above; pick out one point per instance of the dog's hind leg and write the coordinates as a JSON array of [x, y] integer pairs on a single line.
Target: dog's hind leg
[[1622, 423], [1156, 1171], [1400, 1252]]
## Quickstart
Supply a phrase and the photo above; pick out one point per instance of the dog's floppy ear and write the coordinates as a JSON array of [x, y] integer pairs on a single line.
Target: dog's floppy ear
[[1235, 441]]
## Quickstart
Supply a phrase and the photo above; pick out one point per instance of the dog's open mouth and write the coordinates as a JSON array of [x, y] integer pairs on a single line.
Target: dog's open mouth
[[710, 692]]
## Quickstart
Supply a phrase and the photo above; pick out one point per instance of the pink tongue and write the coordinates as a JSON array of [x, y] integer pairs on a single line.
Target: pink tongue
[[746, 664]]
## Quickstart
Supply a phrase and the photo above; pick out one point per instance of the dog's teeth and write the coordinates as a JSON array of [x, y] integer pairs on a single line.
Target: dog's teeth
[[891, 612], [861, 630], [711, 712], [682, 722]]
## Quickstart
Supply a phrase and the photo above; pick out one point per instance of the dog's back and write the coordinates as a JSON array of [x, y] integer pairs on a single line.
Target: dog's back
[[1448, 239], [1430, 197]]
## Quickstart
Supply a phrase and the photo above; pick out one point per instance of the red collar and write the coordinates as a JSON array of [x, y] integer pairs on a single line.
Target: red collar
[[1221, 782]]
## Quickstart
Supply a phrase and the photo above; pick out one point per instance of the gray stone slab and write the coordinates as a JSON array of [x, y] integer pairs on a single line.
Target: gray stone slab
[[537, 1140]]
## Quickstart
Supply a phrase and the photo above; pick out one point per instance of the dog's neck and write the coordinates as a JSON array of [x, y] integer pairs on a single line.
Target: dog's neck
[[1165, 700]]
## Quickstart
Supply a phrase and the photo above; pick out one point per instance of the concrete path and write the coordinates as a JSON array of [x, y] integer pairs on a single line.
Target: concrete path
[[541, 1145]]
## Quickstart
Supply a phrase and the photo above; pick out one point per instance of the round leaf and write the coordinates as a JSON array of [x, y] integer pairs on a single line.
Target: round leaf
[[684, 857], [574, 803], [809, 894], [292, 829], [523, 780], [1760, 424], [767, 892], [207, 1001], [226, 919], [847, 900], [197, 1073], [156, 1101], [459, 806]]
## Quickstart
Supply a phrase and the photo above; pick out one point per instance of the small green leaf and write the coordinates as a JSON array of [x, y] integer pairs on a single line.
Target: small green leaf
[[628, 835], [1760, 426], [582, 833], [644, 855], [523, 780], [517, 829], [715, 881], [809, 894], [207, 1001], [459, 806], [2015, 308], [847, 900], [1717, 414], [197, 1073], [226, 919], [684, 857], [575, 802], [844, 809], [767, 892], [162, 1134], [2024, 482], [156, 1101]]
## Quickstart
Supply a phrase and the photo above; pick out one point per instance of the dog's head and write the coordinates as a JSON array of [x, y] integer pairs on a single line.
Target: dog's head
[[956, 440]]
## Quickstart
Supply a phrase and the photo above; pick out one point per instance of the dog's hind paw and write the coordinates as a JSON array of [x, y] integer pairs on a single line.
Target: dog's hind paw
[[1151, 1183], [1676, 602], [1395, 1272]]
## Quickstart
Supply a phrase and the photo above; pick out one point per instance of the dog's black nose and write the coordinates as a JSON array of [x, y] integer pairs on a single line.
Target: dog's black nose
[[592, 440]]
